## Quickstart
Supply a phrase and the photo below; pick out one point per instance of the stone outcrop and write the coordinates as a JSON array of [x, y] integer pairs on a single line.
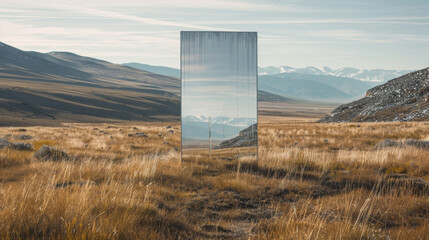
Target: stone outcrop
[[401, 99], [246, 138]]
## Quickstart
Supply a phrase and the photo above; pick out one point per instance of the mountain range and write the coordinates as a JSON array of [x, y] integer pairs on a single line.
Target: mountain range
[[48, 88], [230, 121], [310, 83], [314, 87], [196, 128], [51, 88], [371, 75]]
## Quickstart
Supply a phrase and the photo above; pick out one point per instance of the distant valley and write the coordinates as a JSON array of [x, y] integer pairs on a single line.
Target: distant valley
[[310, 83], [51, 88], [369, 75], [222, 127], [55, 87]]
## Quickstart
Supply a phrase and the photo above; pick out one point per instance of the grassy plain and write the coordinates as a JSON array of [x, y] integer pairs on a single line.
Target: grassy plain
[[312, 181]]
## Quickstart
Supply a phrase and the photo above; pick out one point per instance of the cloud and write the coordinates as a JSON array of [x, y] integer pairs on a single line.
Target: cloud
[[10, 10], [108, 45], [413, 37], [177, 4], [120, 16], [17, 29], [144, 20], [222, 5], [400, 20], [349, 35], [290, 32]]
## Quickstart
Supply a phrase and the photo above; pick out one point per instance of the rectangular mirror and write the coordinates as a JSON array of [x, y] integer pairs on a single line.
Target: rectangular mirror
[[219, 95]]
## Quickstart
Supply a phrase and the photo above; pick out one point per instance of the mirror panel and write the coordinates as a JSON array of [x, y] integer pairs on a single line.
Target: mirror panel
[[219, 95]]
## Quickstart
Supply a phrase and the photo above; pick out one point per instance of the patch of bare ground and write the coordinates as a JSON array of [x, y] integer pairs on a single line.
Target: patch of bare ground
[[312, 181]]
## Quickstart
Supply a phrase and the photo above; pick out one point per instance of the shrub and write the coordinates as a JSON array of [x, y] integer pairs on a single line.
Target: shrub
[[24, 137], [20, 146], [47, 153], [3, 143]]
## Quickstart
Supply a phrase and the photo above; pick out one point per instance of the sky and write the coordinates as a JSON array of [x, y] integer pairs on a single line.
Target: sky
[[219, 74], [387, 34]]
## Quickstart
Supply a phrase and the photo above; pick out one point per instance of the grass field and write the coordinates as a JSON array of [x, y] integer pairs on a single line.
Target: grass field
[[312, 181]]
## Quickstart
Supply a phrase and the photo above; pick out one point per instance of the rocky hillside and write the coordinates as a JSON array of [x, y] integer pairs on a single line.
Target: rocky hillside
[[246, 138], [405, 98]]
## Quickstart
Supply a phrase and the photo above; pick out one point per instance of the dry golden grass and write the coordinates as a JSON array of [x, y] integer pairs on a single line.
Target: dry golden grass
[[312, 181]]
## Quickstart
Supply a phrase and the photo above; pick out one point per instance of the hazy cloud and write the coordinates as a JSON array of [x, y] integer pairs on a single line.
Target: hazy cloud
[[368, 34]]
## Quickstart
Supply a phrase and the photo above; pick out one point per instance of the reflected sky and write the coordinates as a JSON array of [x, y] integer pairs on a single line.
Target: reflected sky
[[219, 73], [219, 81]]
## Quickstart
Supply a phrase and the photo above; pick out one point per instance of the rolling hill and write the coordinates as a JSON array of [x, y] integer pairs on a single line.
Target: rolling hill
[[264, 96], [47, 89], [51, 88], [167, 71]]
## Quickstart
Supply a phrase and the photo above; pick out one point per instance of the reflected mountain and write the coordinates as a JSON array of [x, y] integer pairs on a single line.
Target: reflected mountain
[[196, 129], [246, 138]]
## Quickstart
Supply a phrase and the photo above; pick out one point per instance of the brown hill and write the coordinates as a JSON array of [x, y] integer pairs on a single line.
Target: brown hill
[[55, 87], [47, 89]]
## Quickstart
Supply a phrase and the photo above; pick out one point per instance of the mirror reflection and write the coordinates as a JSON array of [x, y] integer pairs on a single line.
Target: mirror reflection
[[219, 95]]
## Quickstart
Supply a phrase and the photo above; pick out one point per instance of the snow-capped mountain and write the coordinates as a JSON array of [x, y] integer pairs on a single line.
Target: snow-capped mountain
[[371, 75], [192, 118], [236, 122], [222, 128], [285, 69]]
